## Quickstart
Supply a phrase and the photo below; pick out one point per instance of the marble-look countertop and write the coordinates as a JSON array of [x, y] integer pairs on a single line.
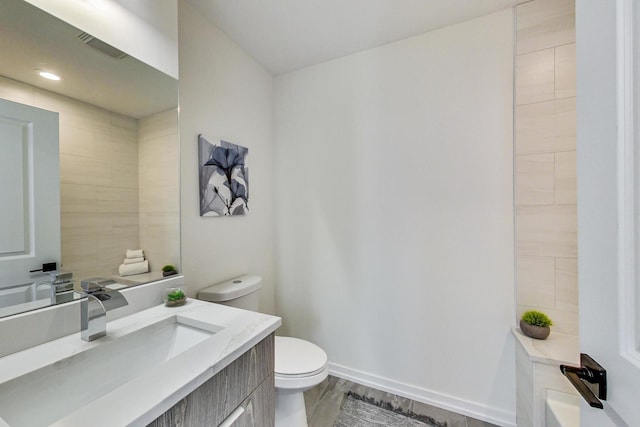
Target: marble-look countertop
[[154, 391], [555, 350]]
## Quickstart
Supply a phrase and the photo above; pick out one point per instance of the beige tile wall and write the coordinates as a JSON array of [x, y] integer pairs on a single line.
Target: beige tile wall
[[159, 189], [119, 183], [545, 164]]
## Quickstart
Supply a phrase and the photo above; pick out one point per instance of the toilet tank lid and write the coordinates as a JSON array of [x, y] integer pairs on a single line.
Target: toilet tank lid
[[231, 289]]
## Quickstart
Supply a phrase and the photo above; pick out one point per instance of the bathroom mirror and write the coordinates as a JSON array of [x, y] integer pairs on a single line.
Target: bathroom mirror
[[118, 147]]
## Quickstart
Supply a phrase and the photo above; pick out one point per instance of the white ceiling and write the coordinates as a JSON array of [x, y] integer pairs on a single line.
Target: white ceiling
[[32, 39], [283, 35], [286, 35]]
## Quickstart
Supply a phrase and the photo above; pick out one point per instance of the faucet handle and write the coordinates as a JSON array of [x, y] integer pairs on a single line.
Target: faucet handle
[[96, 284], [59, 277]]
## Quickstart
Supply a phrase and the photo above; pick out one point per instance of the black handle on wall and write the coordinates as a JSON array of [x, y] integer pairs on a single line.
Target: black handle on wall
[[590, 379]]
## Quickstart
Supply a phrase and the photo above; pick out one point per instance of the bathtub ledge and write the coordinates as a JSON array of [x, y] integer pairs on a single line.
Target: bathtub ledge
[[555, 350]]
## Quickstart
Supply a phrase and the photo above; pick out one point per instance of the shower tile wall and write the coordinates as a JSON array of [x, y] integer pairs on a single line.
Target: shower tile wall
[[545, 163]]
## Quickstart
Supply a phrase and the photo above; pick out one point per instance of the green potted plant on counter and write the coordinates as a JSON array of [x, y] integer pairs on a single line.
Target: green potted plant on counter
[[175, 297], [535, 324]]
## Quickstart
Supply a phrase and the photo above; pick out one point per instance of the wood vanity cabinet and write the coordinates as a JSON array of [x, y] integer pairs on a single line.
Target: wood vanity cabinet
[[241, 395]]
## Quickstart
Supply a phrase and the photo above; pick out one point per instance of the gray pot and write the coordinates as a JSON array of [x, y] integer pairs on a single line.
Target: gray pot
[[537, 332], [176, 303]]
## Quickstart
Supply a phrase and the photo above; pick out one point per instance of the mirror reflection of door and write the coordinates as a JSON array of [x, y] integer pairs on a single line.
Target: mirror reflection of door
[[30, 200]]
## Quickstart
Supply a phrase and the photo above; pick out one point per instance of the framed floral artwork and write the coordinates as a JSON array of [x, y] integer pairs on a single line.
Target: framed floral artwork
[[224, 178]]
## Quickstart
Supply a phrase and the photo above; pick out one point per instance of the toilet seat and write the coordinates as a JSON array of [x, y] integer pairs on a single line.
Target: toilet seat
[[297, 357], [308, 374], [299, 364]]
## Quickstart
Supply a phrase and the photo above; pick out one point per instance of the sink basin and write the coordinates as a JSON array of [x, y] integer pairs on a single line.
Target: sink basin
[[61, 387]]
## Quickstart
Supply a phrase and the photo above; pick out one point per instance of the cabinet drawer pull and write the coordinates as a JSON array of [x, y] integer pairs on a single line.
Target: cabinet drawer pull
[[228, 422]]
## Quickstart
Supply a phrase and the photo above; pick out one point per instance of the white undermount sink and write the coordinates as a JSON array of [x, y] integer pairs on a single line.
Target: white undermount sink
[[47, 394]]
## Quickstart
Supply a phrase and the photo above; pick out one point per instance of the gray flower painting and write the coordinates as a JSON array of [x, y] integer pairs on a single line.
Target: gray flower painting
[[224, 178]]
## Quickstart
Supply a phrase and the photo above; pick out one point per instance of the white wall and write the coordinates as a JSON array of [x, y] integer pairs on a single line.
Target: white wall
[[224, 94], [395, 215]]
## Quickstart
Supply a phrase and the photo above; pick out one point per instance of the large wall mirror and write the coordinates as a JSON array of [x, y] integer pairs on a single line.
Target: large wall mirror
[[116, 187]]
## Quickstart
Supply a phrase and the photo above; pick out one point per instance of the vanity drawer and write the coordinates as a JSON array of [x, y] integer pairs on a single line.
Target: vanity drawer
[[257, 410], [213, 401]]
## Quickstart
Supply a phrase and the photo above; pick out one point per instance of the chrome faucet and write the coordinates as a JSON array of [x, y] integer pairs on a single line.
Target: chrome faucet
[[61, 286], [93, 308]]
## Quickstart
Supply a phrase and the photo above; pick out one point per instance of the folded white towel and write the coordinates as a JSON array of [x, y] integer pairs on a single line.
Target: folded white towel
[[134, 253], [132, 260], [131, 269]]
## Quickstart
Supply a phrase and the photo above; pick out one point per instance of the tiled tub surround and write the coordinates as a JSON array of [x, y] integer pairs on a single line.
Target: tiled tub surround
[[106, 161], [538, 373], [153, 392], [545, 162], [545, 198]]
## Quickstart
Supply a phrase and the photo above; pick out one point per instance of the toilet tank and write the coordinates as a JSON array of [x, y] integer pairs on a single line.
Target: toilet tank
[[242, 292]]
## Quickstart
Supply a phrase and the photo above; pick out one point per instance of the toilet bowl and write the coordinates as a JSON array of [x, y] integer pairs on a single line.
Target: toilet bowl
[[299, 364]]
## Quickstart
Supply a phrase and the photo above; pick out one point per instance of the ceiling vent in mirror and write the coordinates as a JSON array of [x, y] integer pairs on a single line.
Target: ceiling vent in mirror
[[103, 47]]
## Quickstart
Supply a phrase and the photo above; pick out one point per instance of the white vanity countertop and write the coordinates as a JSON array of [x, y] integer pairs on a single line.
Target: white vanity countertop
[[154, 391], [555, 350]]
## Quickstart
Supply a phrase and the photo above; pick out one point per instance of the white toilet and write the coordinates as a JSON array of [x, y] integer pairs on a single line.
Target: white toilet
[[299, 364]]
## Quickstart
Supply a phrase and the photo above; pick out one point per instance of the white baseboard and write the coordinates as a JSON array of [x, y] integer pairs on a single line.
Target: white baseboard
[[460, 406]]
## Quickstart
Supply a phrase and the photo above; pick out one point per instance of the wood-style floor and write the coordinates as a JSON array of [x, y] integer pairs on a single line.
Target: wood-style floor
[[323, 404]]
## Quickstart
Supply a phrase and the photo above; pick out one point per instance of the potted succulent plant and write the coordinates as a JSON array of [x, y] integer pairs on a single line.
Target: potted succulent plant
[[175, 297], [168, 270], [535, 324]]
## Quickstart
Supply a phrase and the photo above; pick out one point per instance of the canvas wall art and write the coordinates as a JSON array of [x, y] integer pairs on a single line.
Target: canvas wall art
[[224, 178]]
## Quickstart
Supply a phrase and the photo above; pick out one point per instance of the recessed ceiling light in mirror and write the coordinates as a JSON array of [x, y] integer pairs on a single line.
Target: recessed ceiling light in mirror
[[49, 75]]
